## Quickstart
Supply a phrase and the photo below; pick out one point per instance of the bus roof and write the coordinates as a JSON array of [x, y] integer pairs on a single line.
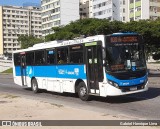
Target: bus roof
[[59, 43]]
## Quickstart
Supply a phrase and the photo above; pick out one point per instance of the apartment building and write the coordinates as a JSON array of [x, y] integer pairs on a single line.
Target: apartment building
[[58, 13], [16, 21], [84, 9], [108, 9], [124, 4], [144, 9]]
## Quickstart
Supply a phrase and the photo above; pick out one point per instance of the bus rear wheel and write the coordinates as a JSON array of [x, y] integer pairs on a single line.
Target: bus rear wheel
[[83, 92], [35, 86]]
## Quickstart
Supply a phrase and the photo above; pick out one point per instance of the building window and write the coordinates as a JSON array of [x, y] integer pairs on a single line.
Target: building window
[[131, 1], [153, 8], [123, 10], [124, 19], [132, 19], [124, 2], [131, 10], [138, 8]]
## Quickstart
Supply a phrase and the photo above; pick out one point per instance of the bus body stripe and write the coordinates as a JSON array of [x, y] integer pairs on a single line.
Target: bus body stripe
[[61, 71], [131, 82]]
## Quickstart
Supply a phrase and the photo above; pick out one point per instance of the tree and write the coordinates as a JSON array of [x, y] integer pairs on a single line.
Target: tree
[[85, 27], [150, 30], [28, 41]]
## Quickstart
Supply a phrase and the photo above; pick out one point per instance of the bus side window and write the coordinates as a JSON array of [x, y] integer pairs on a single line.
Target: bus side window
[[30, 58], [76, 54], [50, 56], [39, 57], [62, 55], [17, 60]]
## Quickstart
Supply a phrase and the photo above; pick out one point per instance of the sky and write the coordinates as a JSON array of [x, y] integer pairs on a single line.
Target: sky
[[18, 2]]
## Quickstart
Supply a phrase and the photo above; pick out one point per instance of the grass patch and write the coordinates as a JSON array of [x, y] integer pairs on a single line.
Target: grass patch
[[53, 104], [57, 105], [8, 71], [10, 96]]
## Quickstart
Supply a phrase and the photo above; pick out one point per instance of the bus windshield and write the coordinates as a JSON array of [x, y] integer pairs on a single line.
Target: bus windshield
[[125, 57]]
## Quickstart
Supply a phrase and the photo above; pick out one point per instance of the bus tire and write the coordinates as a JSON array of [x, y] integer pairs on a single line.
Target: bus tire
[[35, 86], [83, 92]]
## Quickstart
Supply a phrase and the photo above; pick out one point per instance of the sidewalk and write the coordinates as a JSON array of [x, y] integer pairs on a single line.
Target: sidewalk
[[20, 108], [153, 66], [154, 69]]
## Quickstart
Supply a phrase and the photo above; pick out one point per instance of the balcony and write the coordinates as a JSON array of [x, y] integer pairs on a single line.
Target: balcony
[[152, 13], [137, 4], [154, 4], [131, 5], [131, 15], [138, 13]]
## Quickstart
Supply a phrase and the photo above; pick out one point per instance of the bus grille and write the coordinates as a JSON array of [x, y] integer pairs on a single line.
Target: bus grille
[[128, 88]]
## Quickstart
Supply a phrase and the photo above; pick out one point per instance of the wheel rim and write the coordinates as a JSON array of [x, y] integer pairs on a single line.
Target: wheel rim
[[34, 86], [83, 91]]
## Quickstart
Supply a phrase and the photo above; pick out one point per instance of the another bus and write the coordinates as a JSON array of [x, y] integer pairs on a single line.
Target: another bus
[[101, 65]]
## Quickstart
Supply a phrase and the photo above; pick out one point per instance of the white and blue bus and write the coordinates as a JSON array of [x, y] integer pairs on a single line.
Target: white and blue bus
[[101, 65]]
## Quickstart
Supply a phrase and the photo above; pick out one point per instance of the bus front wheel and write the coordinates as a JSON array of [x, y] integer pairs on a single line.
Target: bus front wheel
[[34, 86], [83, 92]]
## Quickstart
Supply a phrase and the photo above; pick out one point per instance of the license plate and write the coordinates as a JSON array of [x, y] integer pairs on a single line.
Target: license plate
[[133, 88]]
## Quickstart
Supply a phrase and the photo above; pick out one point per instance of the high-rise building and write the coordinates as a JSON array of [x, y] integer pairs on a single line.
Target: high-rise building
[[16, 21], [84, 9], [144, 9], [124, 10], [108, 9], [58, 13]]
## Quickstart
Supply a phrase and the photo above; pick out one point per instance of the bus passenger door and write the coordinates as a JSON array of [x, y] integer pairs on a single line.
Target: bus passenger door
[[23, 69], [94, 66]]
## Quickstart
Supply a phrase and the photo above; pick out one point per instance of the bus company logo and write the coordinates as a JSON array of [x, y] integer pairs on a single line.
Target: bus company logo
[[61, 71], [125, 83], [76, 71]]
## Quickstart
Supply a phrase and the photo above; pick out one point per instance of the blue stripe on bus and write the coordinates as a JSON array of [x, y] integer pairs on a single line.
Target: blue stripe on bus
[[132, 82], [61, 71]]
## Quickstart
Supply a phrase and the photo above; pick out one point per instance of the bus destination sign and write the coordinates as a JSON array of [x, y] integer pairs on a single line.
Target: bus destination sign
[[124, 39]]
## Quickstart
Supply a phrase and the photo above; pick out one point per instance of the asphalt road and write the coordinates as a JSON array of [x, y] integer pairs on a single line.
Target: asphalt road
[[142, 105]]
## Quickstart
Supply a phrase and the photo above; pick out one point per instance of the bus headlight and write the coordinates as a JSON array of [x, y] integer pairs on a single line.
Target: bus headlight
[[113, 84]]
